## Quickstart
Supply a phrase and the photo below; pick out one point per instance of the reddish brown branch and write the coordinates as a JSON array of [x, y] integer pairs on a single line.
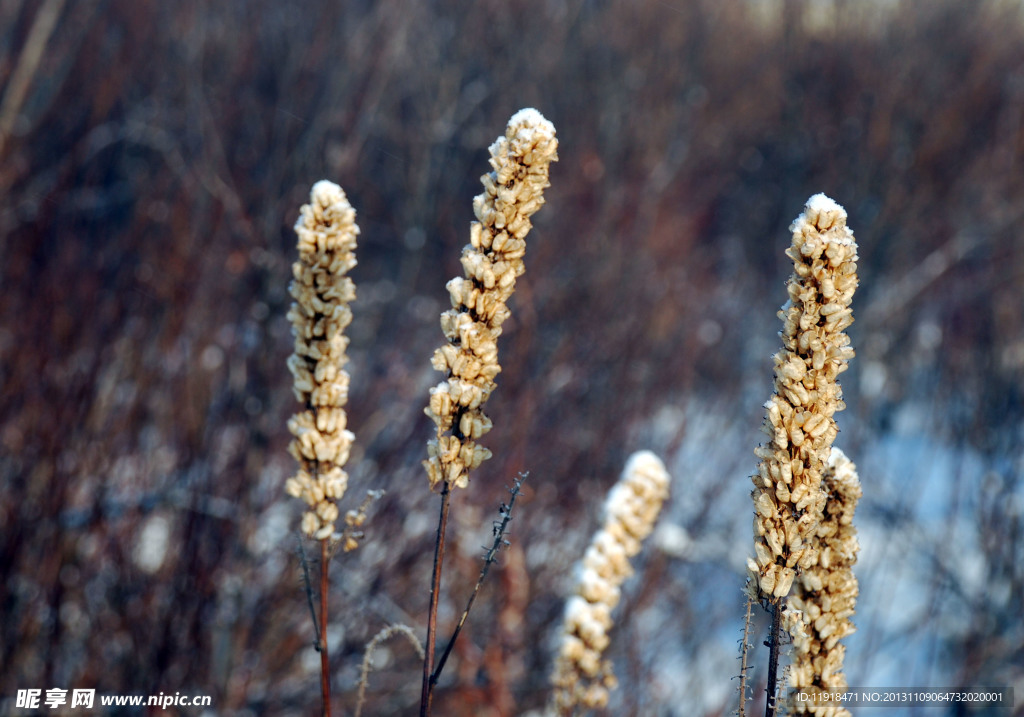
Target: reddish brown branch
[[435, 585]]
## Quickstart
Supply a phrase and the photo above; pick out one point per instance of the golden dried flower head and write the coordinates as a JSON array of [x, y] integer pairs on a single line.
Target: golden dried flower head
[[491, 262], [819, 611], [799, 422], [319, 314], [581, 676]]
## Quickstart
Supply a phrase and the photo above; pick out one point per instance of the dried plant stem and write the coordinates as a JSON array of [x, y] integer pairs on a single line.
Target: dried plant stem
[[435, 587], [364, 670], [489, 558], [744, 653], [492, 261], [325, 663], [790, 501], [771, 691], [321, 444], [308, 584]]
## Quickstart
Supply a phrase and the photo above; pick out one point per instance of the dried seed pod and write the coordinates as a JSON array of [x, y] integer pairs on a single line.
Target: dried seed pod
[[581, 677], [327, 232], [825, 594], [799, 416], [491, 262]]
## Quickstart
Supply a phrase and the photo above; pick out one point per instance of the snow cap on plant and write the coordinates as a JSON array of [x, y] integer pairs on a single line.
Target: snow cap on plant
[[320, 313], [581, 676], [788, 498], [513, 191], [825, 595]]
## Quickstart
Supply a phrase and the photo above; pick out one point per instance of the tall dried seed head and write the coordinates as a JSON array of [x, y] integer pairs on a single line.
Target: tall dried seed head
[[824, 597], [581, 677], [319, 314], [491, 262], [799, 420]]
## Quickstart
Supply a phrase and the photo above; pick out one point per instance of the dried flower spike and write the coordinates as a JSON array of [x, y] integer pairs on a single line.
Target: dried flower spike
[[580, 676], [322, 292], [788, 499], [825, 596], [493, 260]]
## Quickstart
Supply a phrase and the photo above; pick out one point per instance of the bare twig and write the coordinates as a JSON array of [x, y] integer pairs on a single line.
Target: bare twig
[[490, 557], [364, 672], [744, 652], [435, 586]]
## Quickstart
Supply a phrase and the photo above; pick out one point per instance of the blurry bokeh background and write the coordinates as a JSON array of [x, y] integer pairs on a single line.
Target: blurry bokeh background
[[153, 157]]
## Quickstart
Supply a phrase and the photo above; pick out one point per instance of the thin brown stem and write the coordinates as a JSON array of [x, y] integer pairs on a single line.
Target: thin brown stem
[[489, 558], [308, 585], [435, 584], [325, 663], [773, 658]]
